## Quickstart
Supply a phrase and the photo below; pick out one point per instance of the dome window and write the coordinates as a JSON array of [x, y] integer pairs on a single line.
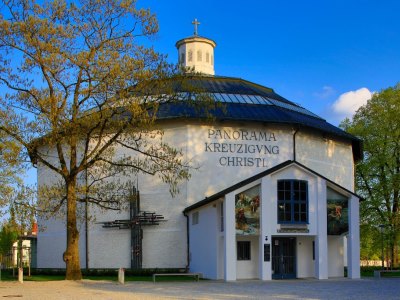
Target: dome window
[[199, 58]]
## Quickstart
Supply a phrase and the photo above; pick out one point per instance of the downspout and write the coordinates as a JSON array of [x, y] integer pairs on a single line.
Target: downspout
[[294, 143], [187, 242], [86, 223]]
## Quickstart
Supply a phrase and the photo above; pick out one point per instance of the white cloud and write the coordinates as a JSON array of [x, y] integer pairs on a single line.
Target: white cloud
[[326, 92], [347, 103]]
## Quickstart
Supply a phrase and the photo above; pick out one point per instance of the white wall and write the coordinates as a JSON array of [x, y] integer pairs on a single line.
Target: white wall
[[111, 247], [249, 269], [213, 177], [333, 159], [336, 256], [353, 239], [204, 242], [108, 247], [25, 252], [304, 258], [221, 256], [294, 172], [51, 237], [52, 243], [345, 241]]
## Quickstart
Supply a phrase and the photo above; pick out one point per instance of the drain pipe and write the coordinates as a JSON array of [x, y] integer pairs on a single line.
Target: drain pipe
[[187, 242], [294, 143], [86, 223]]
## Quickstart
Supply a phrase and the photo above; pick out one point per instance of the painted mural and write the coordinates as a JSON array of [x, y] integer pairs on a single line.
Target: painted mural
[[338, 217], [247, 211]]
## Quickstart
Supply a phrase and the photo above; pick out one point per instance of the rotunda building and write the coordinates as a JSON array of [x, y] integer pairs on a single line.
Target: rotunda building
[[271, 196]]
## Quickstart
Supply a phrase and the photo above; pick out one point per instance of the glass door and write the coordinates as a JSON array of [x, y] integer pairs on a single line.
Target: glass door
[[283, 257]]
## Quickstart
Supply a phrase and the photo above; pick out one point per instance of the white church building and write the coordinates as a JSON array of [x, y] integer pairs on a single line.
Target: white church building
[[272, 197]]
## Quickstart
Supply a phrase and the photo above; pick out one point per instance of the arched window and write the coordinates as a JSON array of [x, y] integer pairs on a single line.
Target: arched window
[[199, 56], [207, 57], [190, 55], [182, 58]]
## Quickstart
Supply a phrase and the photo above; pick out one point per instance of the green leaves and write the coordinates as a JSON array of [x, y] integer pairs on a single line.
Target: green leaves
[[378, 175], [8, 235]]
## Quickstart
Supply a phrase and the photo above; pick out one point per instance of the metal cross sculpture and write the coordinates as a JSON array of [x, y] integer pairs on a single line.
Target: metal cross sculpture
[[137, 219], [195, 23]]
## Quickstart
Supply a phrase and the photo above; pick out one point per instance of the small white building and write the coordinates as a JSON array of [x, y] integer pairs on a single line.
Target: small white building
[[25, 246], [273, 195]]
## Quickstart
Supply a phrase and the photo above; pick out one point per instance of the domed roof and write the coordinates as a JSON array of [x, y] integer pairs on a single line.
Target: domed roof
[[244, 101]]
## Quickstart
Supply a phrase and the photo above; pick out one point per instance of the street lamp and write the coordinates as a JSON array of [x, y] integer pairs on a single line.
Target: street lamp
[[381, 228]]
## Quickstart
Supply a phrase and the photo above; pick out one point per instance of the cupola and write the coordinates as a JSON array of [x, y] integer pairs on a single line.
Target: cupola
[[196, 53]]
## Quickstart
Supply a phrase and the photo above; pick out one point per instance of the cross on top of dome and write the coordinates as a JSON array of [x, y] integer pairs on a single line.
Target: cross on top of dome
[[195, 23]]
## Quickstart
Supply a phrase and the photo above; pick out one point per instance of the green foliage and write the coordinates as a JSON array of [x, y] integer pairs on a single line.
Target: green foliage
[[11, 169], [378, 175], [8, 235], [370, 240]]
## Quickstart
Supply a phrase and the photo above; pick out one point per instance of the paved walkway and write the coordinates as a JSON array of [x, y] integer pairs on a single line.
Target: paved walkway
[[386, 288]]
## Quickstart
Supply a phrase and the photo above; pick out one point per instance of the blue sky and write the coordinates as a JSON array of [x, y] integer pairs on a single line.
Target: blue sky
[[311, 52], [327, 56]]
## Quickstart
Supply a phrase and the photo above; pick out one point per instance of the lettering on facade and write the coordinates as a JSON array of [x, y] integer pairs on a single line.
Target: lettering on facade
[[293, 230], [241, 148]]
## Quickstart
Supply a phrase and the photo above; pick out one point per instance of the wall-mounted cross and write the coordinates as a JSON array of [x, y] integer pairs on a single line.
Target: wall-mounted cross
[[195, 23], [138, 218]]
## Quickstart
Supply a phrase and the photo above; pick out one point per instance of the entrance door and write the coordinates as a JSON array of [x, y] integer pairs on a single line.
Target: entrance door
[[283, 257]]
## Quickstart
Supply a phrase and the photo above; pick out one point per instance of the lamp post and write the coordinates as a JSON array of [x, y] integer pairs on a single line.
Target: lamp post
[[381, 227]]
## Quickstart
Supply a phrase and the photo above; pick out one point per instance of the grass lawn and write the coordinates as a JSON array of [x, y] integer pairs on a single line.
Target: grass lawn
[[391, 274], [142, 278], [7, 276], [369, 272], [43, 278]]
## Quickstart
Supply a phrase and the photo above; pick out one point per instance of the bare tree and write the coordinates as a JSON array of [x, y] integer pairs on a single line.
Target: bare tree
[[81, 86]]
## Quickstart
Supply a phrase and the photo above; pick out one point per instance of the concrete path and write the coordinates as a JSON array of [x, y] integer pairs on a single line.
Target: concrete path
[[386, 288]]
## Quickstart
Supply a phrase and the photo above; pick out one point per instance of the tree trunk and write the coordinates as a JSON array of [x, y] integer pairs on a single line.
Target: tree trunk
[[71, 255], [20, 262], [396, 250]]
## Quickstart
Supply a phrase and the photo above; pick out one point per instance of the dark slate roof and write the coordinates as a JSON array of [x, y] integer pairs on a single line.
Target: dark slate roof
[[238, 100], [251, 112], [227, 85], [241, 100], [249, 180]]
